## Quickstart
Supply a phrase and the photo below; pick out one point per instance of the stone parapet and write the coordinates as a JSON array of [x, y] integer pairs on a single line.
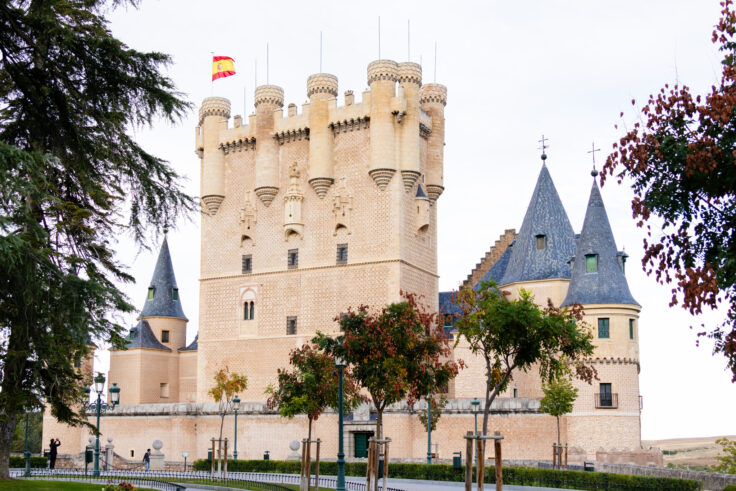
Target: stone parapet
[[214, 106], [382, 70], [269, 94], [436, 93], [410, 72], [322, 83]]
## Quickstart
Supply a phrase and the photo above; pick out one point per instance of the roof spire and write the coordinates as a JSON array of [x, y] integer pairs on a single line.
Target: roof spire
[[163, 294], [592, 151], [544, 146]]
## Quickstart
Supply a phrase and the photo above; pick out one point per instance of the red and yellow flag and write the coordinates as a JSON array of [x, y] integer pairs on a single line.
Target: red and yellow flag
[[222, 66]]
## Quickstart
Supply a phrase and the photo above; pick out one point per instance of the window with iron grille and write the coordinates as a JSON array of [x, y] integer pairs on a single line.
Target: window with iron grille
[[292, 259], [164, 336], [342, 254], [604, 330], [290, 326], [247, 264]]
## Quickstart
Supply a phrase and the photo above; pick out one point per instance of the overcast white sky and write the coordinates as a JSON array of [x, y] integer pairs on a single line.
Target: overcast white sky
[[514, 71]]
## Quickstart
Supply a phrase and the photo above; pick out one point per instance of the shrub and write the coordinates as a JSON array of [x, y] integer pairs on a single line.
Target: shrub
[[525, 476], [20, 462], [730, 487]]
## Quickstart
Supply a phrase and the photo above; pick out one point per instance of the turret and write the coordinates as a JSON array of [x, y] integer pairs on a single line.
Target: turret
[[423, 213], [433, 98], [321, 88], [382, 75], [410, 78], [269, 98], [213, 117]]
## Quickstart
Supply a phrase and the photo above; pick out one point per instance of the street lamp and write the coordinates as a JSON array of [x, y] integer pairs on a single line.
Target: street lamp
[[26, 452], [475, 402], [340, 485], [236, 406], [100, 407], [429, 430]]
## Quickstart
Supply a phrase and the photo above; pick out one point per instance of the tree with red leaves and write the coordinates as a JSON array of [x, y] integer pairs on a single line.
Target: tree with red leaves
[[398, 352], [682, 160], [311, 386]]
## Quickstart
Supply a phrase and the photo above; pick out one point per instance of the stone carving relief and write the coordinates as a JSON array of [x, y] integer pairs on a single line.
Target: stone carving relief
[[293, 199], [342, 206], [247, 221]]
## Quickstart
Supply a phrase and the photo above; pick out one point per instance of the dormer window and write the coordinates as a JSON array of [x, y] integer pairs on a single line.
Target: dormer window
[[175, 294], [591, 263], [541, 241], [150, 292]]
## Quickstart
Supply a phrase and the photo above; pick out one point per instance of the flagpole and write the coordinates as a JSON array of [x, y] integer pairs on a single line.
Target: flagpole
[[212, 80]]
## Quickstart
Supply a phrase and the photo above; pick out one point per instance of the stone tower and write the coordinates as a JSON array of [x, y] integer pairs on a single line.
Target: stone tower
[[312, 212]]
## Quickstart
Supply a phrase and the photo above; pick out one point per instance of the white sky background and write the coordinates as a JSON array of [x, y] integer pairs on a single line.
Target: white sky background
[[514, 70]]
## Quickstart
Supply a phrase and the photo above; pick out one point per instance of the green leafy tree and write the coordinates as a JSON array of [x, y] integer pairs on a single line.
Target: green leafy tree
[[227, 386], [72, 180], [517, 334], [437, 404], [35, 430], [728, 458], [398, 352], [311, 386], [558, 400], [681, 161]]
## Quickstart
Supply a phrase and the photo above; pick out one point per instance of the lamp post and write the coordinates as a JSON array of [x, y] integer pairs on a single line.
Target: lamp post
[[26, 452], [429, 430], [475, 402], [99, 407], [340, 485], [236, 406]]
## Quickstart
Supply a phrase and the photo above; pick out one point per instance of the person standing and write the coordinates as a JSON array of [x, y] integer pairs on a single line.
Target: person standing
[[53, 445], [147, 459]]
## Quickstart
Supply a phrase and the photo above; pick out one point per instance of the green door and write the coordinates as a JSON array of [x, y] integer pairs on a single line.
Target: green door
[[361, 445]]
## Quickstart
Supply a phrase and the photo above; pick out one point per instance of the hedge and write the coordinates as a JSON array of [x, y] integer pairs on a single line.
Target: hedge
[[524, 476], [20, 462], [730, 487]]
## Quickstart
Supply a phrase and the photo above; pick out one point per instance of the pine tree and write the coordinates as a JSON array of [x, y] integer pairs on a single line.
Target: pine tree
[[71, 180]]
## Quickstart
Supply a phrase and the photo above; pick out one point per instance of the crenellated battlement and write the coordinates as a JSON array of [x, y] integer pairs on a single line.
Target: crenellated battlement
[[399, 113], [269, 94]]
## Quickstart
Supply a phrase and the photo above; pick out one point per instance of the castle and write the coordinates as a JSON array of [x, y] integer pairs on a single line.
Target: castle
[[330, 207]]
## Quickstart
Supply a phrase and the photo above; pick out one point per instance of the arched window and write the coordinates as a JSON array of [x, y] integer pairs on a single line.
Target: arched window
[[248, 303], [252, 310]]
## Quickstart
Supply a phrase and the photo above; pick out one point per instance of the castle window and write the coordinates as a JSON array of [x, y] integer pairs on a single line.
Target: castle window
[[150, 292], [541, 241], [292, 259], [290, 326], [623, 264], [342, 254], [175, 294], [247, 264], [448, 320], [606, 398], [631, 328], [164, 336], [132, 453], [516, 392], [249, 311], [164, 390], [604, 328], [591, 263]]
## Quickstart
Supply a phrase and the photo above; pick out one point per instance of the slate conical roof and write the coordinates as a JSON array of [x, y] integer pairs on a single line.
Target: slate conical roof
[[164, 302], [544, 216], [141, 336], [608, 284]]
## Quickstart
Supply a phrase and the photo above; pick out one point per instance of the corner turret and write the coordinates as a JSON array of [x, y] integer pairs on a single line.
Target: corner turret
[[382, 76], [321, 88], [268, 98], [213, 116], [410, 78], [433, 99]]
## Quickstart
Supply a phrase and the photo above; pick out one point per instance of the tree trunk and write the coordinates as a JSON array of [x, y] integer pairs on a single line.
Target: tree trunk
[[7, 430], [309, 433], [558, 432], [379, 424]]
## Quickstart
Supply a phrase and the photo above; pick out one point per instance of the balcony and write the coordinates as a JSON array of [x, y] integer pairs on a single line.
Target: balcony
[[606, 401]]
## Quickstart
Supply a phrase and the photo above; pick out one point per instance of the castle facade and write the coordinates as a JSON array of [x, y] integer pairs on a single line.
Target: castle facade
[[327, 207]]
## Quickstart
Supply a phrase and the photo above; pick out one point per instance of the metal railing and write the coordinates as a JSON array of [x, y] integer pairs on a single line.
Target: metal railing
[[606, 401], [179, 481]]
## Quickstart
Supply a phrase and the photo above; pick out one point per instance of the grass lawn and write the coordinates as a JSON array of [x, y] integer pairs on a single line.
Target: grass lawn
[[13, 484]]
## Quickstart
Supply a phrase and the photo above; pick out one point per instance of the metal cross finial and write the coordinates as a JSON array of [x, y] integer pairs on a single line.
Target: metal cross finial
[[544, 147], [592, 151]]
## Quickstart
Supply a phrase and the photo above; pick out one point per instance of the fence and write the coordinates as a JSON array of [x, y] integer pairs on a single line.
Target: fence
[[179, 481]]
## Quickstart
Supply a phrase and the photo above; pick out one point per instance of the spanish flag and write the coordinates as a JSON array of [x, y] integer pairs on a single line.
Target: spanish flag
[[222, 66]]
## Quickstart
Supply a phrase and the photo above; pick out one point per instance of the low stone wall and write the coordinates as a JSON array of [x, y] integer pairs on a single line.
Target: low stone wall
[[711, 480]]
